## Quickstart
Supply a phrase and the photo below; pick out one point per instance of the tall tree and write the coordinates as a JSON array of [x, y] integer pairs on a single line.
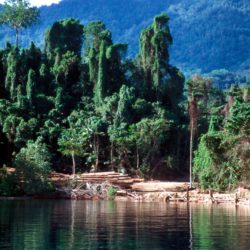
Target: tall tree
[[72, 143], [154, 56], [97, 39], [12, 74], [115, 68], [30, 87], [198, 95], [192, 110], [101, 80], [64, 35], [18, 14]]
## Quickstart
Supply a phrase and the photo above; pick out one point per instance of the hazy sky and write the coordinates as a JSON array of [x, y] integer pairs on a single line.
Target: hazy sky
[[40, 2]]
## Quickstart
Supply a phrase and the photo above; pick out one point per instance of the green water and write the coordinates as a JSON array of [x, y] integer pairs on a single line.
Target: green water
[[34, 224]]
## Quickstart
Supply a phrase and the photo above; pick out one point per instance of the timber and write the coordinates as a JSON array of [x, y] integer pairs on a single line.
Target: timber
[[114, 178], [96, 185]]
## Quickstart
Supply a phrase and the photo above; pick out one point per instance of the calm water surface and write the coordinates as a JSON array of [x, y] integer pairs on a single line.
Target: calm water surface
[[65, 225]]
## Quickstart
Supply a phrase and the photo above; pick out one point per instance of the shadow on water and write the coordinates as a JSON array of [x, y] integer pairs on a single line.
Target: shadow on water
[[34, 224]]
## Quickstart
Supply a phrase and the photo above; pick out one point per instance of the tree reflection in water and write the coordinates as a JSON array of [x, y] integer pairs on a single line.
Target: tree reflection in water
[[34, 224]]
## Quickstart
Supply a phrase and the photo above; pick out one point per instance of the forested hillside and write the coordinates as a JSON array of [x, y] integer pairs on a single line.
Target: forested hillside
[[208, 35]]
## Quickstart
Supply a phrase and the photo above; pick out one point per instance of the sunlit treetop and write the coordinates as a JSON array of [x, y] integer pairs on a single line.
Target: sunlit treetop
[[18, 14]]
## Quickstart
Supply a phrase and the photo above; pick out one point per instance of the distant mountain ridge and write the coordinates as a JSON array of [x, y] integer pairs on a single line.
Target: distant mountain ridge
[[207, 35]]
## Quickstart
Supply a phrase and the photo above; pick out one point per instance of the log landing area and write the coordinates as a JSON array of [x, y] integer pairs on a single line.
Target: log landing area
[[96, 185]]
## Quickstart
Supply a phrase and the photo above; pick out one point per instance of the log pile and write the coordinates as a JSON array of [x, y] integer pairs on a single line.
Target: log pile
[[116, 179], [159, 186], [96, 186], [89, 185], [121, 180]]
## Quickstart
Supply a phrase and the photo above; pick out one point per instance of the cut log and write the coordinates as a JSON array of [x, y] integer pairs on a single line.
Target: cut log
[[118, 179]]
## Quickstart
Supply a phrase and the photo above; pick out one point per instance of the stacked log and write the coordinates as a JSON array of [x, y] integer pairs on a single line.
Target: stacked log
[[157, 186], [96, 185], [117, 179]]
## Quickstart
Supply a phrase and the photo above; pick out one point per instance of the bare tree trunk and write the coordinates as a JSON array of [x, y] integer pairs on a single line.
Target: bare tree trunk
[[137, 157], [74, 165], [16, 37], [193, 113], [112, 154], [191, 154], [97, 153]]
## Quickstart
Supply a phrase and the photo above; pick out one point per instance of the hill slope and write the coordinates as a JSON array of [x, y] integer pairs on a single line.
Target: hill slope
[[207, 34]]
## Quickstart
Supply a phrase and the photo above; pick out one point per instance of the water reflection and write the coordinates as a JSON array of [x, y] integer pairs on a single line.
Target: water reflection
[[120, 225], [221, 227]]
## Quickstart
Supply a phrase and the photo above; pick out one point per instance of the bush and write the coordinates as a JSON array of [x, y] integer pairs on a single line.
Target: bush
[[222, 161], [33, 167], [8, 184], [112, 192]]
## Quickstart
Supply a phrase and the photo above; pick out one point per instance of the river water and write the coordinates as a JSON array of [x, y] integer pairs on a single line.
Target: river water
[[65, 225]]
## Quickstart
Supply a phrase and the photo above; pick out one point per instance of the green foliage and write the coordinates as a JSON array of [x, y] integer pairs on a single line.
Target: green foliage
[[198, 44], [238, 120], [222, 159], [65, 68], [34, 57], [18, 14], [104, 59], [8, 183], [110, 113], [101, 79], [10, 127], [33, 165], [112, 192], [149, 135], [30, 87], [11, 79], [205, 160], [217, 165], [95, 33], [124, 105], [159, 78], [64, 35], [25, 131], [209, 102], [73, 141]]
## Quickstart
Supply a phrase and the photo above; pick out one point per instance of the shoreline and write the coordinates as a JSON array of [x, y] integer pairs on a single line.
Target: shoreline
[[191, 196], [240, 197], [121, 187]]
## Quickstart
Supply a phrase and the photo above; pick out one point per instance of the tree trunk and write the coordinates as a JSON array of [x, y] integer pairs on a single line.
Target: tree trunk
[[112, 154], [73, 165], [191, 153], [193, 114], [97, 153], [17, 37], [137, 157]]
